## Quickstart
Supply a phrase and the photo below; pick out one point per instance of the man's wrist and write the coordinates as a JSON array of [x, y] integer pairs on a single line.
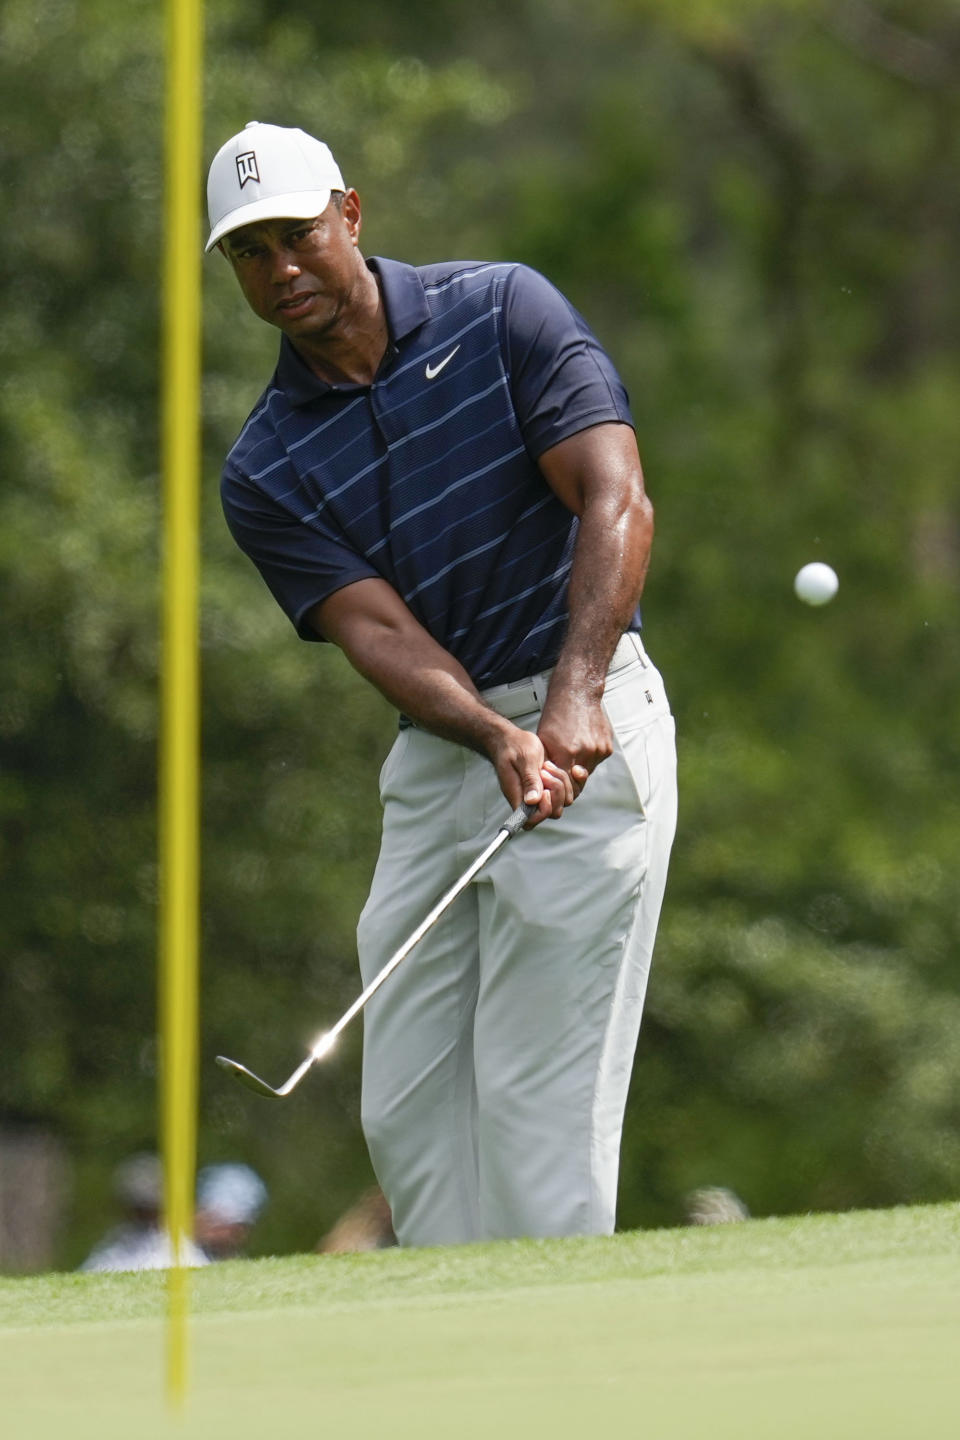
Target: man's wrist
[[469, 722], [583, 674], [488, 731]]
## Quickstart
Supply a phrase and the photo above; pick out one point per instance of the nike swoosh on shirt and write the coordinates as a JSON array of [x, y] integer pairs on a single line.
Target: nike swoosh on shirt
[[432, 371]]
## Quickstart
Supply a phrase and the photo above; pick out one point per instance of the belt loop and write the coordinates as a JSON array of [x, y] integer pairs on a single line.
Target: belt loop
[[638, 649]]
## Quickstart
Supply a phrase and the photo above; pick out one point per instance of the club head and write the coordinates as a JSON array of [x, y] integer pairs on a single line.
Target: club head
[[247, 1077], [253, 1082]]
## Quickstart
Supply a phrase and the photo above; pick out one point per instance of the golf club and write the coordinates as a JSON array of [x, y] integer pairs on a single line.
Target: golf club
[[326, 1042]]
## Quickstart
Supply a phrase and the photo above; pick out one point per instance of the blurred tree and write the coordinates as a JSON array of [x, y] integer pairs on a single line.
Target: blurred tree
[[754, 204], [78, 520]]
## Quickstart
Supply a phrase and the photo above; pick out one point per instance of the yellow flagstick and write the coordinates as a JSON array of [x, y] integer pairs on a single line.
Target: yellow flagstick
[[179, 742]]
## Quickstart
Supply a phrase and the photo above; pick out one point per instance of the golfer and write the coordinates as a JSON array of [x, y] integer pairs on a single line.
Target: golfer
[[442, 479]]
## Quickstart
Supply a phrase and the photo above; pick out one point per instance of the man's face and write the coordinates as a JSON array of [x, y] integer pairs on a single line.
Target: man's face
[[222, 1239], [300, 274]]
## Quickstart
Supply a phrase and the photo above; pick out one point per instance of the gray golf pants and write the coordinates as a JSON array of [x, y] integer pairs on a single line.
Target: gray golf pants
[[497, 1057]]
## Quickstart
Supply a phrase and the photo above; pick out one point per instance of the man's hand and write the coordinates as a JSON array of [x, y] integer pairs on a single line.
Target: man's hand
[[575, 734], [526, 774]]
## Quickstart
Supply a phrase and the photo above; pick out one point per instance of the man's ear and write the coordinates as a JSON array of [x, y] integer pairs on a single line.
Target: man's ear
[[351, 213]]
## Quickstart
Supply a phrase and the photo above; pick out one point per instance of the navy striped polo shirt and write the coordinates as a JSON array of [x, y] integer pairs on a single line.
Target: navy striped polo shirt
[[427, 478]]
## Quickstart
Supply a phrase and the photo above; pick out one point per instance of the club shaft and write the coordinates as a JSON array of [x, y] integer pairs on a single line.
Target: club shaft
[[445, 901], [512, 826]]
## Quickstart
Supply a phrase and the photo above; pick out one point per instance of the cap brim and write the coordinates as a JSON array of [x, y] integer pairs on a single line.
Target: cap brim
[[300, 205]]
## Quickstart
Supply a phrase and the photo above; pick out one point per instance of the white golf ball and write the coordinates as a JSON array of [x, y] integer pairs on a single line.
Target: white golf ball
[[816, 583]]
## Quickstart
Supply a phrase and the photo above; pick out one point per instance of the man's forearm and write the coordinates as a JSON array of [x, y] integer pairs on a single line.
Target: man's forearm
[[597, 474], [606, 581], [383, 641], [426, 683]]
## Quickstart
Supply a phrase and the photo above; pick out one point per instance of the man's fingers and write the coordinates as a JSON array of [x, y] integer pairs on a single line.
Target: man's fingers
[[553, 796], [558, 789], [579, 774], [560, 782], [533, 791]]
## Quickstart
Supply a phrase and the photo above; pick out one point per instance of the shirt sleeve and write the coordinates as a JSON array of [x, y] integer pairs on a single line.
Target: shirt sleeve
[[561, 379], [301, 564]]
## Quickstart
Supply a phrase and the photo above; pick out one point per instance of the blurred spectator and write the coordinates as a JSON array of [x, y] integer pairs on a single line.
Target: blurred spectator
[[714, 1205], [229, 1199], [139, 1242], [367, 1225], [35, 1175]]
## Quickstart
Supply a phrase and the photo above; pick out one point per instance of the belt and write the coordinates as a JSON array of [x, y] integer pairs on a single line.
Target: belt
[[523, 697]]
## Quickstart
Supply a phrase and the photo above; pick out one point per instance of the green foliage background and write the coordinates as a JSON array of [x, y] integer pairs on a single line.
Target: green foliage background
[[755, 205]]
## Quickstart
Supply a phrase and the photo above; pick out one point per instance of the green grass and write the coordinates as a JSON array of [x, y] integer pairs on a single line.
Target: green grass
[[822, 1326]]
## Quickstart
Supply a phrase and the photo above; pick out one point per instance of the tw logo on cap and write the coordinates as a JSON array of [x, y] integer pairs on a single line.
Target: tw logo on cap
[[247, 168]]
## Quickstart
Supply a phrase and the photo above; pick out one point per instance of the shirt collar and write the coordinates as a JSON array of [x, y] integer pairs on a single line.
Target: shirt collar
[[406, 309]]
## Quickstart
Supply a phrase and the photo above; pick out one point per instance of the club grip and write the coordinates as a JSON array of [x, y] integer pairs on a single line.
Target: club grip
[[518, 819]]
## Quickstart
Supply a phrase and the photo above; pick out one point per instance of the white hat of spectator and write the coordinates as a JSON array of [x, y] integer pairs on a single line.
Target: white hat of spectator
[[234, 1193], [138, 1182]]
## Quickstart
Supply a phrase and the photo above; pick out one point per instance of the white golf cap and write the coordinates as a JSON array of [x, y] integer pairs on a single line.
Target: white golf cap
[[267, 172]]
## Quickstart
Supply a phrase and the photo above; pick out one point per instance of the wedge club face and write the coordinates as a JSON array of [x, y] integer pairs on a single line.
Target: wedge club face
[[253, 1082], [247, 1077], [324, 1045]]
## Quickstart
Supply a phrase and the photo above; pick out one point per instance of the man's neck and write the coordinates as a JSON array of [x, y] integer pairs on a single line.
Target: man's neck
[[352, 351]]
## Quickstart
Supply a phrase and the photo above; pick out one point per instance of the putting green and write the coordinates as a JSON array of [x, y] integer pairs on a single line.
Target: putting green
[[828, 1326]]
